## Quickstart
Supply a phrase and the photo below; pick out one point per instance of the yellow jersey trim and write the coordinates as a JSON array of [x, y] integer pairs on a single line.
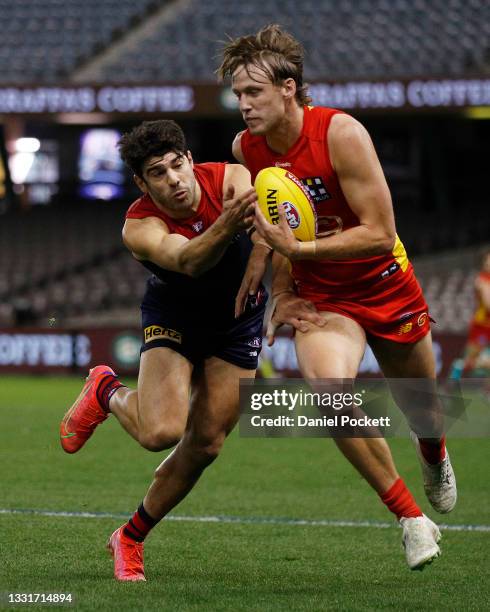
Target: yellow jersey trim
[[400, 254]]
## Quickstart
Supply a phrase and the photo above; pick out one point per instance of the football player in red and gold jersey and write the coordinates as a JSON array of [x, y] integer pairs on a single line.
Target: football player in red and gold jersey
[[479, 333], [356, 273]]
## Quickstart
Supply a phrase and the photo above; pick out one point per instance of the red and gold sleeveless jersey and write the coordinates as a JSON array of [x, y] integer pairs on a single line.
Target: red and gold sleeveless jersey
[[309, 160]]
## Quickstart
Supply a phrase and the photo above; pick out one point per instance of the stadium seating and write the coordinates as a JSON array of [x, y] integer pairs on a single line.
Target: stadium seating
[[44, 41], [448, 282], [347, 39], [344, 39], [55, 265]]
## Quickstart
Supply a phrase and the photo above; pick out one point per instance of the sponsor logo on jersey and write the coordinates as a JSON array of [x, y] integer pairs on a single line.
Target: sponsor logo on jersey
[[252, 353], [155, 332], [255, 342], [422, 320], [300, 183], [404, 329], [282, 165], [316, 188], [405, 316], [292, 215], [197, 226]]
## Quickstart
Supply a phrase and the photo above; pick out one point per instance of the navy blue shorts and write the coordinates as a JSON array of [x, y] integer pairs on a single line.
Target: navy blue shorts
[[175, 325]]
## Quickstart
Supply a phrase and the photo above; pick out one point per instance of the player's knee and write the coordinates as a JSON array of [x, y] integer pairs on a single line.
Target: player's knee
[[159, 439], [339, 369], [206, 448]]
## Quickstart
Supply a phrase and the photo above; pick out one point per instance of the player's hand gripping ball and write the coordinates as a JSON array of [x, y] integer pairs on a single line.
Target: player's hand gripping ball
[[276, 186]]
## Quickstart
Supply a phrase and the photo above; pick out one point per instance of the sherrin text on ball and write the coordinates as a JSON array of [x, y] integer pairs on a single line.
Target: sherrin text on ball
[[276, 186]]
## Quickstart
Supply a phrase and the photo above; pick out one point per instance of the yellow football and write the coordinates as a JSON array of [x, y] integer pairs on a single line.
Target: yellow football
[[276, 186]]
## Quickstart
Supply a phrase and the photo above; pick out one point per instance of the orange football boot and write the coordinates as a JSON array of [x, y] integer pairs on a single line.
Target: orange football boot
[[128, 557], [79, 422]]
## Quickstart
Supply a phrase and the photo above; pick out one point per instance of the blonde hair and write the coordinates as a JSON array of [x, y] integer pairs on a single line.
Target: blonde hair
[[274, 51]]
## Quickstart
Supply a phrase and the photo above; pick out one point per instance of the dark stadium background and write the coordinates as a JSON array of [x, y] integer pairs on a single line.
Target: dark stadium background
[[277, 523], [415, 73]]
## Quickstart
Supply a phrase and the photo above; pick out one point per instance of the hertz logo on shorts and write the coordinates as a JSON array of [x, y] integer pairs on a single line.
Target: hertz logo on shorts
[[155, 332]]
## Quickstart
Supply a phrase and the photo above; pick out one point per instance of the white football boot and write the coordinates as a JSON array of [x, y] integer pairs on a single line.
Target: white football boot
[[439, 481], [420, 538]]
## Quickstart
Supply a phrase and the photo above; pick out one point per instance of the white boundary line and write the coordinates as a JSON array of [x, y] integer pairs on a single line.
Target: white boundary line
[[239, 520]]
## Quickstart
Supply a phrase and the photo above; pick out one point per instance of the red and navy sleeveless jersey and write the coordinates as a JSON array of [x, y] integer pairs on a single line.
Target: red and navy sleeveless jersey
[[210, 177], [214, 291], [309, 160]]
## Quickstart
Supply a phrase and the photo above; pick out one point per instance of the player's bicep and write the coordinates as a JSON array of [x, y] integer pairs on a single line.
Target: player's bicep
[[151, 240], [360, 175]]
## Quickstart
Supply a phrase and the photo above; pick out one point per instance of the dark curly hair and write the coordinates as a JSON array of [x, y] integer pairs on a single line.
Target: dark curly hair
[[274, 51], [149, 139]]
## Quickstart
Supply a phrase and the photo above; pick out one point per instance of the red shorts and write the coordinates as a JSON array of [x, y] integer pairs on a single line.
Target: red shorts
[[479, 334], [394, 309]]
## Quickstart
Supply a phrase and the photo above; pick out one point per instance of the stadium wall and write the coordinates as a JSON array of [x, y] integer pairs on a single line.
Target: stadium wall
[[48, 351]]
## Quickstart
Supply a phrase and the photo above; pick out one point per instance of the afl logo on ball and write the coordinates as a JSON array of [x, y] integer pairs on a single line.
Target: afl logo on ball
[[292, 215]]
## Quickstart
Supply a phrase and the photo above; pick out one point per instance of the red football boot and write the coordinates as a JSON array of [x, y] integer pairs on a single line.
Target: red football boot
[[79, 422], [128, 557]]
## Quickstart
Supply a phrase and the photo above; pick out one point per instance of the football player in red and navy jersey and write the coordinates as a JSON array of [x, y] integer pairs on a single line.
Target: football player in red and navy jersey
[[356, 273], [188, 229]]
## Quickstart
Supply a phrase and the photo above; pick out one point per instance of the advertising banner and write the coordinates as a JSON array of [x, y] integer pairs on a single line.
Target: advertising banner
[[39, 350]]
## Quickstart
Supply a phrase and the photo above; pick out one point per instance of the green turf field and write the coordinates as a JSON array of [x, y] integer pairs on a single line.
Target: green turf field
[[239, 565]]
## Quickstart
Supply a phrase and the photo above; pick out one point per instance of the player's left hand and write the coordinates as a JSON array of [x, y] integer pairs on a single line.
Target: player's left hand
[[290, 309], [279, 237], [254, 273], [238, 211]]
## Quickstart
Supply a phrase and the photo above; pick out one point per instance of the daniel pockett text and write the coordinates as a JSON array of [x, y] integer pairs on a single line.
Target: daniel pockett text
[[333, 409], [362, 408]]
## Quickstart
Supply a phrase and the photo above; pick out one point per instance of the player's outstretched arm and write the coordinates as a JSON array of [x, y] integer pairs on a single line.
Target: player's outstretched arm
[[149, 238], [256, 267], [257, 262]]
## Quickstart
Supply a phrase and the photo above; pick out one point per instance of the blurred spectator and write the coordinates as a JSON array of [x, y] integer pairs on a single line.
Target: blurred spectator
[[23, 313], [476, 360]]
